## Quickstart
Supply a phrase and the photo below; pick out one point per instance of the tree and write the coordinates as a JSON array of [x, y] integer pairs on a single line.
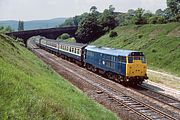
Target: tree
[[131, 12], [121, 19], [107, 19], [93, 9], [111, 8], [128, 17], [89, 29], [159, 12], [156, 20], [20, 25], [167, 14], [65, 36], [78, 19], [113, 34], [68, 22], [174, 6], [5, 29], [9, 29], [139, 18], [74, 20]]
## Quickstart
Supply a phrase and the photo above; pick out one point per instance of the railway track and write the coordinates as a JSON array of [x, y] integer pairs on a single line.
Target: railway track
[[144, 110], [165, 99], [129, 103]]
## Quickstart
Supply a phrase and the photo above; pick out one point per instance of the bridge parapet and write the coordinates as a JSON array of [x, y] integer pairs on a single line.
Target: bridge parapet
[[51, 33]]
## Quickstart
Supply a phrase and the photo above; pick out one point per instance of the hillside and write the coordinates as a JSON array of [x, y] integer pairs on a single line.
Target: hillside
[[29, 89], [34, 24], [160, 43]]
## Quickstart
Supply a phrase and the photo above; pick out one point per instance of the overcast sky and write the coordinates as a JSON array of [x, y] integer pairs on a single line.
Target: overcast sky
[[47, 9]]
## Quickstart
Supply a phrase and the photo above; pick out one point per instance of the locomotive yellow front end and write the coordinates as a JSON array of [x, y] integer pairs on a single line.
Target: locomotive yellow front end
[[136, 69]]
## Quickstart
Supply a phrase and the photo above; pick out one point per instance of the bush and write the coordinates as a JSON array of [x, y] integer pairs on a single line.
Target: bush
[[140, 35], [156, 20], [154, 50], [113, 34], [152, 20], [65, 36]]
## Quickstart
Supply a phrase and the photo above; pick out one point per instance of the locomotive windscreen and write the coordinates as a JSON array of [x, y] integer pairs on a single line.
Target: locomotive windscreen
[[136, 54]]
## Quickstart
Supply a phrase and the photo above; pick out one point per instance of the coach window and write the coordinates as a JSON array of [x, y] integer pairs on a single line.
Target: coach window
[[72, 49], [77, 51]]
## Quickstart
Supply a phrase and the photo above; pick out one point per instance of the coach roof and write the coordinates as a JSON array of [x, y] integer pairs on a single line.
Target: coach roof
[[109, 51], [73, 44], [61, 42]]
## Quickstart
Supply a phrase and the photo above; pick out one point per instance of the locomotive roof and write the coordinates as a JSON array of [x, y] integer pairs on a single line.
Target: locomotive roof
[[111, 51]]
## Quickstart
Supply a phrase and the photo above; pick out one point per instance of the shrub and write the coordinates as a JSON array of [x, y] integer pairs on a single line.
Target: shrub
[[65, 36], [152, 20], [113, 34], [140, 35], [160, 20], [154, 50], [156, 20]]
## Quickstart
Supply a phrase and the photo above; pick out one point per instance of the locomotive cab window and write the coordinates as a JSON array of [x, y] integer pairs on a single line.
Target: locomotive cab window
[[136, 57], [130, 59], [143, 59]]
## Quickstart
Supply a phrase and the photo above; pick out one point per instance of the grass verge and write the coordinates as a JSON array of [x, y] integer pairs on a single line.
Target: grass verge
[[29, 89]]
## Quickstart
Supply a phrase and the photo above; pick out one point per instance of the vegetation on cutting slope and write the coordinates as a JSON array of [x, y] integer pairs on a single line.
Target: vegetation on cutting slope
[[160, 43], [5, 29], [94, 24], [29, 89]]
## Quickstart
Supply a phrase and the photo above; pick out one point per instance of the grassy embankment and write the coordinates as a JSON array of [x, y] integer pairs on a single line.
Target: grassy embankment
[[160, 43], [29, 89]]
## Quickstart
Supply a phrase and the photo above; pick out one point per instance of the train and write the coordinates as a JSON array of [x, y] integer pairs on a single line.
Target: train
[[123, 66]]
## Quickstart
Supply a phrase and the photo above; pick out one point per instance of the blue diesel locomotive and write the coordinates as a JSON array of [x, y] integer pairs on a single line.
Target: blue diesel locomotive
[[116, 64]]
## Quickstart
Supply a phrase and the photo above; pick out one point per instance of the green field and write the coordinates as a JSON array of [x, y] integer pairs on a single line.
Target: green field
[[160, 43], [29, 89]]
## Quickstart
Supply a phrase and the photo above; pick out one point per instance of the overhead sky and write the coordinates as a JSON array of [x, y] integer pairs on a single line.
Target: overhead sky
[[47, 9]]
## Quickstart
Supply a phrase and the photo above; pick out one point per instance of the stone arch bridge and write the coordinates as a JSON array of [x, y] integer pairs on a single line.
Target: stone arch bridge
[[51, 33]]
